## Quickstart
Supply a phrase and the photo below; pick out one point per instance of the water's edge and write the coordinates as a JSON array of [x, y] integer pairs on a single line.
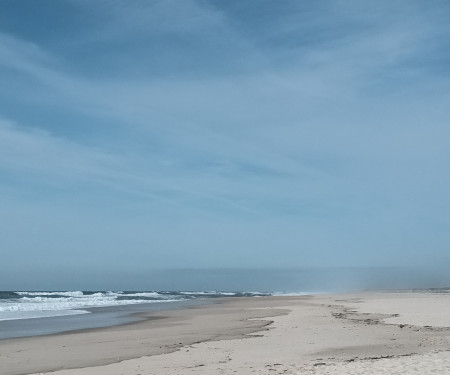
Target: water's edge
[[98, 317]]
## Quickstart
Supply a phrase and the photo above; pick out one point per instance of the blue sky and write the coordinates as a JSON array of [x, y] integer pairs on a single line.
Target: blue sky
[[139, 135]]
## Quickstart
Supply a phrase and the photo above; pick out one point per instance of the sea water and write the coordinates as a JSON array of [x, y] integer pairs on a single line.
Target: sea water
[[41, 304]]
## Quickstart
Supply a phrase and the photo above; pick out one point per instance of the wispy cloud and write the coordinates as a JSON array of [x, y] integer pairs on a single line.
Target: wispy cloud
[[301, 117]]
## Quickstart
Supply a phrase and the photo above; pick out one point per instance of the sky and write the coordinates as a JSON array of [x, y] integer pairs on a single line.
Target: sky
[[137, 136]]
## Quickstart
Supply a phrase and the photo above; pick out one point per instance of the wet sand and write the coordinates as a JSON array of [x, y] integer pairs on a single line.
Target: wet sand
[[373, 333]]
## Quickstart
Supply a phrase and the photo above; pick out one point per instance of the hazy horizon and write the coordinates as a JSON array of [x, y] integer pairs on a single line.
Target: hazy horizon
[[283, 280]]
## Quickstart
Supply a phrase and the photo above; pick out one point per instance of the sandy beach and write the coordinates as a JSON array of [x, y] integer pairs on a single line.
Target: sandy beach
[[373, 333]]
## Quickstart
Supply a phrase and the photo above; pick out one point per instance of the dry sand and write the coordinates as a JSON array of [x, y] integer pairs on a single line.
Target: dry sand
[[370, 333]]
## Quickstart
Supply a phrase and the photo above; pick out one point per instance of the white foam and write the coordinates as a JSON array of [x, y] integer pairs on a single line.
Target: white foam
[[55, 303], [42, 304], [140, 294], [65, 294], [208, 293]]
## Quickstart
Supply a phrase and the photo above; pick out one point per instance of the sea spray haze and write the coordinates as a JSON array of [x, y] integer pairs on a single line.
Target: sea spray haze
[[170, 282]]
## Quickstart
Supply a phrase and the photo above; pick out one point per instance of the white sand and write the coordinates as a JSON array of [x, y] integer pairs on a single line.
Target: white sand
[[322, 335], [421, 309]]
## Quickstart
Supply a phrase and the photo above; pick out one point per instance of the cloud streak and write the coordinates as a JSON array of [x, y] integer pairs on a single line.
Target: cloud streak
[[315, 130]]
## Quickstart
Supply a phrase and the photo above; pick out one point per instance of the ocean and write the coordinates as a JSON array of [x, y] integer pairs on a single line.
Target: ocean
[[35, 313], [30, 305]]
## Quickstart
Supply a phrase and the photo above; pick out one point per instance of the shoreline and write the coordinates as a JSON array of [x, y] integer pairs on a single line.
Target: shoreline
[[265, 335], [95, 317], [159, 332]]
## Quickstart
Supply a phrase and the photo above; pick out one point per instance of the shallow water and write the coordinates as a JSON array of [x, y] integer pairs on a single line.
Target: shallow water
[[98, 317]]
